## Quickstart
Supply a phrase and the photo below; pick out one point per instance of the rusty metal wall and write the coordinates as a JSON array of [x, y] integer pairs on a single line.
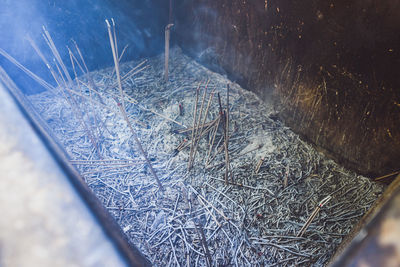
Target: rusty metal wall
[[329, 67]]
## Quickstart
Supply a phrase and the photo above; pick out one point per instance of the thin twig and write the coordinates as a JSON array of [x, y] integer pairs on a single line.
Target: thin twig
[[197, 132], [199, 228], [122, 105], [194, 126], [386, 176], [167, 36], [313, 215]]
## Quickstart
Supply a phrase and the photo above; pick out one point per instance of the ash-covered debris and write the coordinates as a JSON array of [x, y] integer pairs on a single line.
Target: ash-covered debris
[[253, 218]]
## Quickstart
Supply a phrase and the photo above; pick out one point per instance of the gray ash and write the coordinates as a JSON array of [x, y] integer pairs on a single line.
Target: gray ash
[[252, 221]]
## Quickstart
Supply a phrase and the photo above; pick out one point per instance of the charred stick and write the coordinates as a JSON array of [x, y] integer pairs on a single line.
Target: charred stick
[[200, 230], [139, 145], [90, 161], [73, 60], [226, 132], [181, 109], [313, 215], [227, 113], [56, 54], [75, 108], [121, 105], [61, 75], [387, 175], [218, 150], [43, 58], [209, 212], [105, 164], [202, 131], [221, 112], [115, 40], [223, 194], [92, 84], [223, 116], [111, 168], [88, 130], [245, 186], [202, 134], [28, 72], [258, 166], [198, 123], [212, 140], [123, 52], [73, 102], [119, 60], [182, 145], [194, 127], [111, 36], [208, 127], [167, 37], [173, 250], [95, 91], [198, 226], [286, 179], [128, 75], [48, 65], [132, 72], [176, 205], [233, 158], [227, 163], [206, 113], [71, 57], [251, 150], [179, 147], [135, 70], [211, 205]]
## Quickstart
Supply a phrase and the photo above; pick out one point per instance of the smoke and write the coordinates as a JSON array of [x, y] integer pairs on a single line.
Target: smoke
[[140, 24]]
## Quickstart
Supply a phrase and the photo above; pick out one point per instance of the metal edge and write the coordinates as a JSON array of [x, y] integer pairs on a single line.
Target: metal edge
[[354, 242], [131, 254]]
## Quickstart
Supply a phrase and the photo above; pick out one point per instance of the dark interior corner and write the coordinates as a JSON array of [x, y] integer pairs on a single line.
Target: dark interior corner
[[330, 68], [83, 22]]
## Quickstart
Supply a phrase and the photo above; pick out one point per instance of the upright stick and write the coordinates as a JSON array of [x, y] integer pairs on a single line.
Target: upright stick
[[73, 60], [121, 103], [62, 83], [224, 116], [167, 36], [211, 144], [227, 112], [227, 171], [28, 72], [194, 127], [89, 76]]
